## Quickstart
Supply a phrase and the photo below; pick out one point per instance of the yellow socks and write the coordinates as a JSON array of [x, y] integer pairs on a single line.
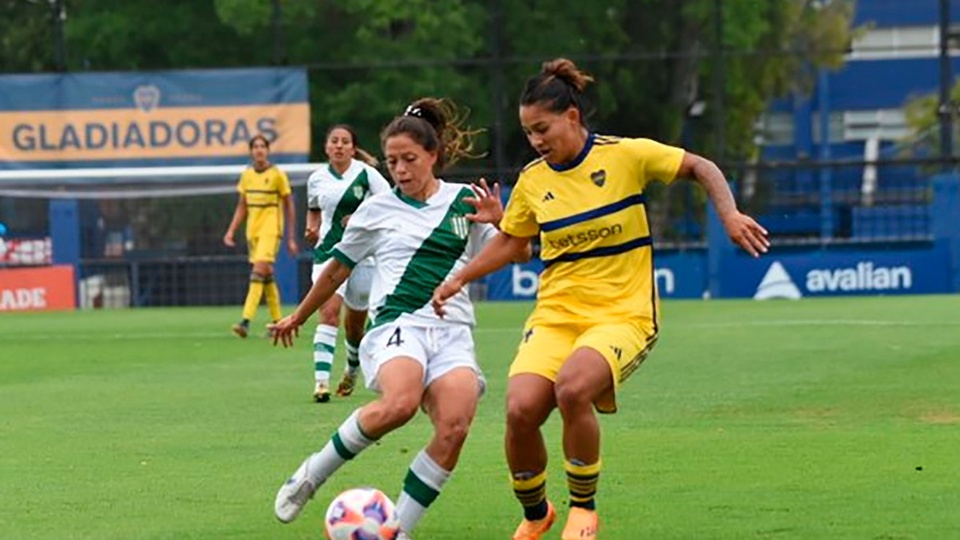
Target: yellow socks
[[582, 481], [531, 490], [273, 298], [253, 296]]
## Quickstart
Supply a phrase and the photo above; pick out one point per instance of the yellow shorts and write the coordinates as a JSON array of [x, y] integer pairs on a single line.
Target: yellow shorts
[[545, 348], [263, 248]]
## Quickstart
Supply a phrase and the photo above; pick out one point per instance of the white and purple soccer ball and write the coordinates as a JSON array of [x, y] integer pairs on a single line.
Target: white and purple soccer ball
[[361, 514]]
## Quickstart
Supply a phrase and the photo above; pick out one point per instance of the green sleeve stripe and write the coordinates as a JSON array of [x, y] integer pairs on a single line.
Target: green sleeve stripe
[[430, 264], [346, 261]]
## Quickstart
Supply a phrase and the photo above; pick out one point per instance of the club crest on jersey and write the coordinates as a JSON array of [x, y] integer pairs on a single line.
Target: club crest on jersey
[[599, 177], [358, 192], [460, 226]]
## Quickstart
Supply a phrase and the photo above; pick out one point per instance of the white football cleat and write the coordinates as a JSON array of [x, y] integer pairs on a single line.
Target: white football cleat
[[321, 393], [295, 493]]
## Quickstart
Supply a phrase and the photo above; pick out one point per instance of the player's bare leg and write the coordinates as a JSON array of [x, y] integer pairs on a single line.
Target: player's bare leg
[[402, 388], [448, 403], [530, 400], [451, 403], [583, 379]]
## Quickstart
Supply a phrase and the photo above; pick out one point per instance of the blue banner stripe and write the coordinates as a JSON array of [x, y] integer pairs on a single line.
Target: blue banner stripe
[[182, 88], [605, 251], [632, 200]]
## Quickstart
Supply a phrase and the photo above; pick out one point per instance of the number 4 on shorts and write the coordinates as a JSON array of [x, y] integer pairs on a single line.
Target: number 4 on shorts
[[395, 340]]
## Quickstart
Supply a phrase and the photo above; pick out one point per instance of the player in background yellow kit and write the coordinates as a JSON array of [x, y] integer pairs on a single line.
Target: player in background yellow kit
[[596, 316], [263, 189]]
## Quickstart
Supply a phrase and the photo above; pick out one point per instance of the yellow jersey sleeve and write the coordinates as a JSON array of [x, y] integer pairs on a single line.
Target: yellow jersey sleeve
[[283, 183], [242, 183], [518, 219], [657, 161]]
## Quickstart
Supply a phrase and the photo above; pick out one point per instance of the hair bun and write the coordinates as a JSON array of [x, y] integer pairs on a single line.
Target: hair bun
[[446, 133], [565, 70], [422, 110]]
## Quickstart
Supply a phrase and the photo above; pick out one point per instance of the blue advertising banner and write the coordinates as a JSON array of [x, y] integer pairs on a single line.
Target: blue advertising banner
[[678, 274], [151, 118], [681, 274], [836, 273], [789, 275]]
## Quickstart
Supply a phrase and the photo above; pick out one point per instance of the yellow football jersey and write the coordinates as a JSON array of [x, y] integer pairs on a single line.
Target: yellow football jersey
[[263, 192], [591, 217]]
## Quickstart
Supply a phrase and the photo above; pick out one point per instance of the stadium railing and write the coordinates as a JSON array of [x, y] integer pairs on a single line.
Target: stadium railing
[[840, 203], [146, 245]]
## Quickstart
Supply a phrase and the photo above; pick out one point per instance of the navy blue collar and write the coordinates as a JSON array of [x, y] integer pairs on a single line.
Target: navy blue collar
[[577, 160]]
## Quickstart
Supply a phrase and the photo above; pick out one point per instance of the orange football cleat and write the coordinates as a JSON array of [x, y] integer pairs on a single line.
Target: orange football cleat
[[582, 524], [534, 530]]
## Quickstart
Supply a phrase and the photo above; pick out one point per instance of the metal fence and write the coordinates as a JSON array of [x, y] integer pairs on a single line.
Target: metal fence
[[183, 281], [842, 202], [800, 204]]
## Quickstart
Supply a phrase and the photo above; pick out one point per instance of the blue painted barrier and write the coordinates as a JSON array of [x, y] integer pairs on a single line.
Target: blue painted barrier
[[724, 271]]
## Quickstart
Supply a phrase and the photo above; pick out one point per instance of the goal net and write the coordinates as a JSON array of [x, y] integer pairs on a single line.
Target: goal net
[[147, 235]]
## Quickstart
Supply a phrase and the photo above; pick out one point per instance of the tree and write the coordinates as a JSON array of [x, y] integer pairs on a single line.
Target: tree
[[368, 58], [661, 57], [141, 35], [654, 59], [372, 57], [26, 32], [923, 118]]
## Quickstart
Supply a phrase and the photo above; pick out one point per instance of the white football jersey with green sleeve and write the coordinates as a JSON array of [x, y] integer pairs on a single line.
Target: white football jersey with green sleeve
[[338, 196], [417, 245]]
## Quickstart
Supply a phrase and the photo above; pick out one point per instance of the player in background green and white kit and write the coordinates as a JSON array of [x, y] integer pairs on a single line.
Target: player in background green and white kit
[[333, 194], [420, 233]]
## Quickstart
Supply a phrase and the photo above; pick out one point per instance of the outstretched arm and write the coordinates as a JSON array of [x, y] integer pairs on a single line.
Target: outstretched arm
[[333, 274], [741, 228], [489, 208], [499, 251], [526, 254]]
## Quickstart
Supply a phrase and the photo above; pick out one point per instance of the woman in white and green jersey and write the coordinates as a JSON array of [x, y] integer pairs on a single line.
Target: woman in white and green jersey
[[420, 232], [333, 194]]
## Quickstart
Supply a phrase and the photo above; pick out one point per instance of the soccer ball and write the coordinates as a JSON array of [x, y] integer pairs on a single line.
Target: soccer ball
[[361, 514]]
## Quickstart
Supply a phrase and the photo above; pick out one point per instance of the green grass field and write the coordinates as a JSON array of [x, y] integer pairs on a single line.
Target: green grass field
[[811, 419]]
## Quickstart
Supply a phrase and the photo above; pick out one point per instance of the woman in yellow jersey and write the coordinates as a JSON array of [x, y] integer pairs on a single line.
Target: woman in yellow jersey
[[596, 316], [263, 189]]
